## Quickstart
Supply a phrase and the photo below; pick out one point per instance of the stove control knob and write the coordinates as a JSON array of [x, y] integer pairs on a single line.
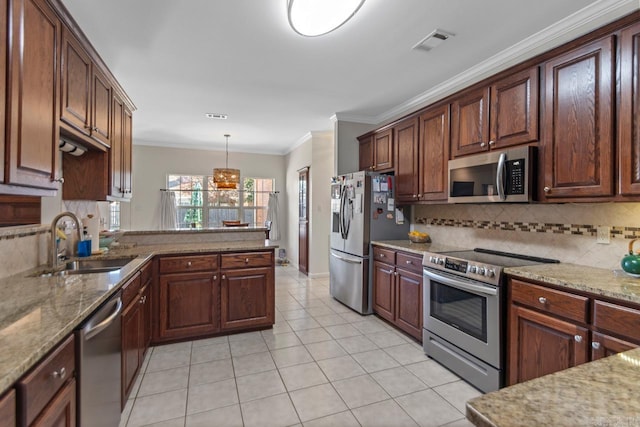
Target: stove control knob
[[440, 261], [481, 271], [473, 269], [432, 259], [490, 273]]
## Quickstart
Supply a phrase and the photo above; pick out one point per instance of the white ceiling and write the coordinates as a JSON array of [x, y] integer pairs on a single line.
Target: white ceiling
[[178, 60]]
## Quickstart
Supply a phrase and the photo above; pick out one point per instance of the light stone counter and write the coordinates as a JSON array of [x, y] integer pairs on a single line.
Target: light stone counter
[[416, 248], [601, 393], [599, 281], [36, 313]]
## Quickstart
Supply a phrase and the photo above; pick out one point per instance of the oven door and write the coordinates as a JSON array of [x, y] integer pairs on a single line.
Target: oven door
[[464, 312]]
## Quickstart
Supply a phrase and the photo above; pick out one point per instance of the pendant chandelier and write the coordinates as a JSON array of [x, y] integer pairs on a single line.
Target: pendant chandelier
[[226, 179]]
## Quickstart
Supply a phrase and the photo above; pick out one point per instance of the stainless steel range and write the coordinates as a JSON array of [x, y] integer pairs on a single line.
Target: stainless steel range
[[464, 312]]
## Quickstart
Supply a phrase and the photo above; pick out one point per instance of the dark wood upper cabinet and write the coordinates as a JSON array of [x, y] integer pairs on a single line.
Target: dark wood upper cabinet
[[470, 123], [100, 108], [434, 153], [32, 147], [578, 122], [628, 123], [76, 84], [366, 159], [383, 151], [406, 155], [515, 109]]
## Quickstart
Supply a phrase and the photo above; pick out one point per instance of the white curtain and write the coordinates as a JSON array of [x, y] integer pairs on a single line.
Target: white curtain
[[168, 212], [272, 215]]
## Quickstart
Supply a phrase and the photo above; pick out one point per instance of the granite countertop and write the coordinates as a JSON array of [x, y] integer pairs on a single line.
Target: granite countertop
[[600, 393], [599, 281], [36, 313], [417, 248]]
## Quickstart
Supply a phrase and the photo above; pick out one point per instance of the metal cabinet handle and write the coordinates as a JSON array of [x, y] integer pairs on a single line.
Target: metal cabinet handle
[[215, 277], [61, 373], [224, 277], [482, 144], [415, 195], [492, 142], [390, 271], [409, 262], [547, 189], [188, 263], [578, 338], [381, 255], [60, 180], [595, 345], [542, 300], [246, 260], [373, 168], [395, 273]]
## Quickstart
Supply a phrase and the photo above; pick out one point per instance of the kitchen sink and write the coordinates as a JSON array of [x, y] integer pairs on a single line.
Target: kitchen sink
[[87, 266]]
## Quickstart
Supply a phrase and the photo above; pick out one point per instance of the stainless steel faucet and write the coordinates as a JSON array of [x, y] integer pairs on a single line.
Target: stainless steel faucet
[[53, 254]]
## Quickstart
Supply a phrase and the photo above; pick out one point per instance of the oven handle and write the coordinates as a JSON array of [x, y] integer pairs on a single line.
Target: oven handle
[[486, 290]]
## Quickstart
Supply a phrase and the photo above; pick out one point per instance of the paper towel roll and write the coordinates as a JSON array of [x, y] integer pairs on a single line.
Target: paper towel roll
[[93, 228]]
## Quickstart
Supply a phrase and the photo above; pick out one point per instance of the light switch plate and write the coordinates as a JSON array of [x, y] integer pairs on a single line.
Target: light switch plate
[[603, 235]]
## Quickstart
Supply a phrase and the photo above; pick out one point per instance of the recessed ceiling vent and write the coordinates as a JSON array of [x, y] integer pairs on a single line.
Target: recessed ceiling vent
[[433, 40], [217, 116]]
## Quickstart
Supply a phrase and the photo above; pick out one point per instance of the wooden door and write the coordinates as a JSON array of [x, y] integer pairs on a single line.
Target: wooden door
[[515, 109], [541, 344], [101, 108], [61, 410], [4, 44], [127, 153], [365, 154], [188, 305], [33, 94], [628, 124], [8, 409], [406, 155], [578, 122], [383, 151], [605, 345], [131, 346], [75, 84], [470, 123], [246, 298], [408, 296], [434, 154], [383, 290], [115, 152], [303, 220]]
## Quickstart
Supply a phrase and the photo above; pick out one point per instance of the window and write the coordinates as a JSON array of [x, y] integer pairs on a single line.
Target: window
[[114, 216], [200, 205]]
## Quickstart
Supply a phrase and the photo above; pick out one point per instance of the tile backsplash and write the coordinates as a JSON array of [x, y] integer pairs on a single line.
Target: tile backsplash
[[566, 232]]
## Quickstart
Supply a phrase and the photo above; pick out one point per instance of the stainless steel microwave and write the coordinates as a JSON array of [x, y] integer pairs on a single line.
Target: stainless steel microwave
[[496, 176]]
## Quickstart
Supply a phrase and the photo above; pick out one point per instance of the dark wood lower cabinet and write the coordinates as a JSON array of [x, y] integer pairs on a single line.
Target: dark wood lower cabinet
[[61, 411], [8, 409], [383, 290], [542, 344], [605, 345], [189, 305], [409, 302], [247, 298]]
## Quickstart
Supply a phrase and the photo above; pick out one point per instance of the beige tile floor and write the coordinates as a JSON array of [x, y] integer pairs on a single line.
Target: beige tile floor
[[321, 365]]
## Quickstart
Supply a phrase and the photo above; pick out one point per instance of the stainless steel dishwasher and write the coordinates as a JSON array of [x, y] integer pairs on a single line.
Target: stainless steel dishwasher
[[99, 347]]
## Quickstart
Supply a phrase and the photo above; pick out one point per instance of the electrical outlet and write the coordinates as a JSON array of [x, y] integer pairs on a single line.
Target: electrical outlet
[[603, 235]]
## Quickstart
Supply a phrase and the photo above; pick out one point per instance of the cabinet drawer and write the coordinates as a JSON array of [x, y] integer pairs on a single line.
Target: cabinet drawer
[[43, 382], [614, 318], [130, 289], [409, 262], [186, 264], [145, 273], [246, 259], [563, 304], [387, 256]]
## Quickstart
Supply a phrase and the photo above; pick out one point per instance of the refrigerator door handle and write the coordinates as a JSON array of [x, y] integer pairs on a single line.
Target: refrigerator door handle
[[341, 216], [350, 261]]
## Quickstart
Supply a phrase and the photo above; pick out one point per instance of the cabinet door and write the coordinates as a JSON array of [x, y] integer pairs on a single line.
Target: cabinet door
[[541, 344], [470, 123], [188, 305], [383, 290], [578, 136], [515, 109], [131, 346], [406, 165], [434, 154], [247, 298], [605, 345], [8, 409], [100, 108], [115, 152], [33, 94], [4, 40], [409, 302], [628, 124], [146, 318], [365, 155], [75, 83], [127, 153], [61, 411], [383, 151]]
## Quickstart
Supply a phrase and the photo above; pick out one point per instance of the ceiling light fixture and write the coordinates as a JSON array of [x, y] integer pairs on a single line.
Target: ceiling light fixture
[[313, 18], [218, 116], [226, 179]]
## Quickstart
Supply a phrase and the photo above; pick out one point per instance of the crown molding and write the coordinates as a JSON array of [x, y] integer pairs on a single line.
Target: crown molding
[[346, 117]]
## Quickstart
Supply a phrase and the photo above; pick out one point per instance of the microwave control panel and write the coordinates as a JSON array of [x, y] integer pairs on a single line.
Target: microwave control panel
[[515, 176]]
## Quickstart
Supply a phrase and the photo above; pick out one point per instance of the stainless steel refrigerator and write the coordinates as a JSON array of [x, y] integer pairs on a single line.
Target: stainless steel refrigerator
[[362, 209]]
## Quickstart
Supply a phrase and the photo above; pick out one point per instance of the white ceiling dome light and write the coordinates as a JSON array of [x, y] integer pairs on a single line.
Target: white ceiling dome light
[[313, 18]]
